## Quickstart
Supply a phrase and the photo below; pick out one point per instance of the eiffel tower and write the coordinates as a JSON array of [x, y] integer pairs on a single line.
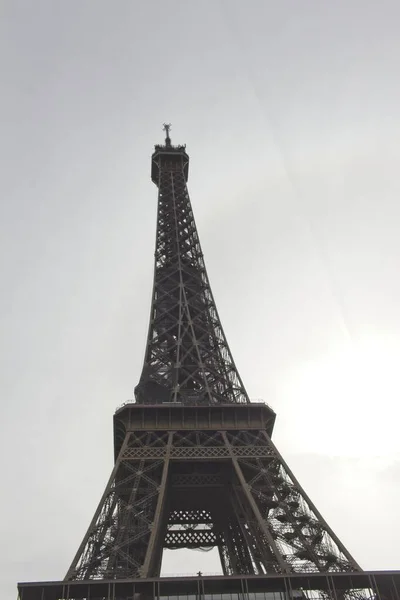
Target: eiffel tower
[[195, 466]]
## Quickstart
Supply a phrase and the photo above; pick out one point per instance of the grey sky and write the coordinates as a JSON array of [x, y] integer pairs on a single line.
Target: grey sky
[[291, 115]]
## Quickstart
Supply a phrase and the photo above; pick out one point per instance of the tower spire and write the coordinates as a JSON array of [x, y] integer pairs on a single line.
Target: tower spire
[[167, 128]]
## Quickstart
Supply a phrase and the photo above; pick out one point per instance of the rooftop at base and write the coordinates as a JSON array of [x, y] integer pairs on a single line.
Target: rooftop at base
[[379, 585]]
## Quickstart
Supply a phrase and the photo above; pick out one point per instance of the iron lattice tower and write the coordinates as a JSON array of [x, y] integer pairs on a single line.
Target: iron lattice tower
[[195, 465]]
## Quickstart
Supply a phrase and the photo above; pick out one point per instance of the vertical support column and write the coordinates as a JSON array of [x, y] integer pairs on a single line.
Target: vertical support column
[[249, 497], [153, 548], [223, 561], [245, 560], [229, 567]]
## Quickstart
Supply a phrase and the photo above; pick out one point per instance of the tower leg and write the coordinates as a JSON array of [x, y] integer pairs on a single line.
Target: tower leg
[[152, 561], [117, 542], [260, 521]]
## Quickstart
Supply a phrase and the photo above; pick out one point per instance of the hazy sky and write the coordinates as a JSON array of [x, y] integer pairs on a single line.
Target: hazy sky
[[291, 115]]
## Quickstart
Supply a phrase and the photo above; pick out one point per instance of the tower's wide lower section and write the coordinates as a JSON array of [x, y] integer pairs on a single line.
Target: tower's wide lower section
[[202, 478]]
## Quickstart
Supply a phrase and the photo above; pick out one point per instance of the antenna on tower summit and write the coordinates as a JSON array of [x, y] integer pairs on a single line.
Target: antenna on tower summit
[[166, 128]]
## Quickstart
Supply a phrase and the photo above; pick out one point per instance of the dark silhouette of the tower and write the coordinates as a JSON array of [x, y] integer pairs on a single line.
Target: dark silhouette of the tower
[[195, 466]]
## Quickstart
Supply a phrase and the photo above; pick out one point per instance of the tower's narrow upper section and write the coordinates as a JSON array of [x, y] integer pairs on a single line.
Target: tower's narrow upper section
[[169, 157], [187, 356]]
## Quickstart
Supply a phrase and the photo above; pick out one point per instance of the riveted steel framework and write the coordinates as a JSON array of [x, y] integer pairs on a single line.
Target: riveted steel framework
[[195, 466], [230, 488], [187, 356]]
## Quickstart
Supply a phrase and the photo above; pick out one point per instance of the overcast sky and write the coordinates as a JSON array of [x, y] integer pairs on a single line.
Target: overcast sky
[[291, 115]]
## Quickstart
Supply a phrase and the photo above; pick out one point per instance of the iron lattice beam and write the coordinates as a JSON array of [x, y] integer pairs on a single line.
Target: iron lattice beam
[[188, 517], [192, 539]]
